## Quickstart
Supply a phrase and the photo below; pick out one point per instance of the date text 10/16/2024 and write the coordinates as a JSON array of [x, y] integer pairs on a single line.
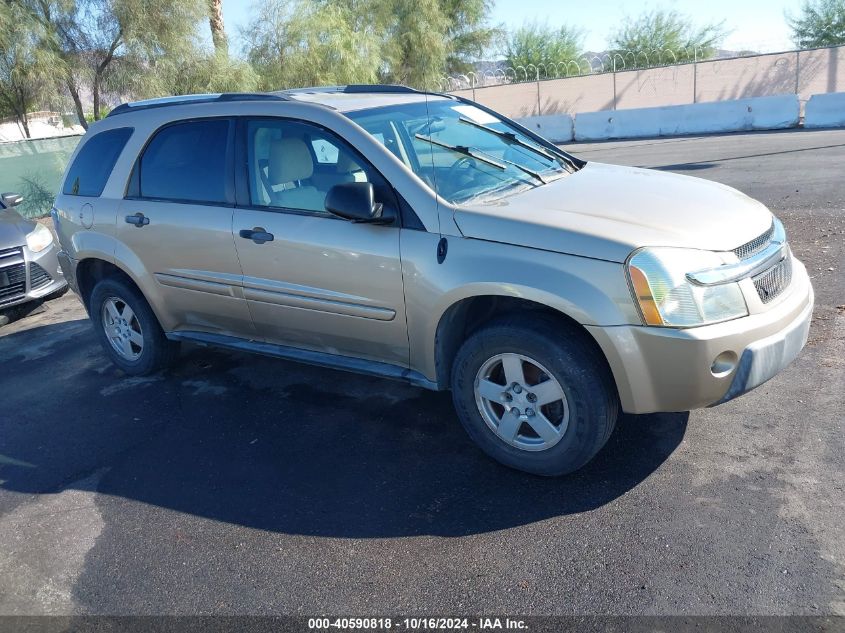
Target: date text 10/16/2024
[[422, 623]]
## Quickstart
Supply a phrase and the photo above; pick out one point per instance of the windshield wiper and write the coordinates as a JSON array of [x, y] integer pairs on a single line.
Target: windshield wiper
[[510, 137], [513, 139], [468, 151], [525, 170], [461, 149]]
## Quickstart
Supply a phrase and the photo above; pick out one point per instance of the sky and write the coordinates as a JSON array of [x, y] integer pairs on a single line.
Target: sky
[[754, 24]]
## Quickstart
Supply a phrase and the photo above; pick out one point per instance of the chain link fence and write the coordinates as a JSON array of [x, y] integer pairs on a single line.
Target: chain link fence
[[584, 65]]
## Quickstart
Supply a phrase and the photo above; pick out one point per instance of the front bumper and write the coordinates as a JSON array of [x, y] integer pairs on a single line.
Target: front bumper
[[28, 276], [763, 359], [665, 369]]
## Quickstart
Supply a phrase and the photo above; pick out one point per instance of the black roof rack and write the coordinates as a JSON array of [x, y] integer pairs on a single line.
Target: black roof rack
[[201, 98], [357, 88], [279, 95], [353, 89]]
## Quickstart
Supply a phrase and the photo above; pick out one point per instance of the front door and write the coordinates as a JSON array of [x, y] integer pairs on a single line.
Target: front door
[[177, 220], [321, 283]]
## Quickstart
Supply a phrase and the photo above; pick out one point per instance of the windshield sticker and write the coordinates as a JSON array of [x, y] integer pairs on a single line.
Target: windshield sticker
[[479, 116]]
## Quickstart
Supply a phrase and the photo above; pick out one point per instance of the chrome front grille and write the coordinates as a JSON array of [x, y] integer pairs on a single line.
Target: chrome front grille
[[756, 245], [10, 256], [774, 281], [38, 277]]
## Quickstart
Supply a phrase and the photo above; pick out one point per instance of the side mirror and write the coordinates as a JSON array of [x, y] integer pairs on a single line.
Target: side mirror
[[10, 199], [355, 201]]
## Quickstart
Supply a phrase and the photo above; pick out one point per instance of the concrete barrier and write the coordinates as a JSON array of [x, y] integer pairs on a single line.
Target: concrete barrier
[[759, 113], [558, 128], [825, 110]]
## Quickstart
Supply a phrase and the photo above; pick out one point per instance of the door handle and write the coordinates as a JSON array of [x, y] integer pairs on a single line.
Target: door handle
[[139, 219], [258, 235]]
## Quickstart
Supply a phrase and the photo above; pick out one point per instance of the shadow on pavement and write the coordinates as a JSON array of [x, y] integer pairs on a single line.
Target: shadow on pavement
[[18, 312], [715, 161], [278, 446]]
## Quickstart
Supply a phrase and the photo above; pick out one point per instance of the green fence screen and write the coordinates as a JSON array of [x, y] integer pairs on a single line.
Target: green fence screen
[[34, 169]]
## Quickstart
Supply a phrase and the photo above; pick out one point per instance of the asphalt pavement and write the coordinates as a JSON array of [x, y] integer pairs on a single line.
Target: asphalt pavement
[[236, 484]]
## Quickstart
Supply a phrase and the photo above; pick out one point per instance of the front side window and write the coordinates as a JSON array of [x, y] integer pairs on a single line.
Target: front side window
[[292, 165], [461, 151], [186, 162], [93, 164]]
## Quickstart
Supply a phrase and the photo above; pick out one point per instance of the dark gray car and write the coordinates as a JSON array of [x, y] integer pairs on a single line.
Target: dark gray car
[[29, 269]]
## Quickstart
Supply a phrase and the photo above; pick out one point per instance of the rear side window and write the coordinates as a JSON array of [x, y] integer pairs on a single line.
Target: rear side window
[[186, 162], [93, 165]]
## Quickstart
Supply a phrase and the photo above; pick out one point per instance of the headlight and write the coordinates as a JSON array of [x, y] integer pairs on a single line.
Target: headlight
[[666, 297], [39, 239]]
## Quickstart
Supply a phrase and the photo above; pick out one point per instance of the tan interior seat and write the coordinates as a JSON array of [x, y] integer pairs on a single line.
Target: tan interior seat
[[289, 164]]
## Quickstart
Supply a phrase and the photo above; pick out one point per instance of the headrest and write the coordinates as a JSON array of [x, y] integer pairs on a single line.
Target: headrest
[[289, 160]]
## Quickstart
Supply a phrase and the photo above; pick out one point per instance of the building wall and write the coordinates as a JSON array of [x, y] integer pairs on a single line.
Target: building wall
[[804, 73]]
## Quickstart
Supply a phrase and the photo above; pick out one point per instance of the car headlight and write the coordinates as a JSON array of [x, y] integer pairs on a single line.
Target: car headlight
[[39, 239], [667, 298]]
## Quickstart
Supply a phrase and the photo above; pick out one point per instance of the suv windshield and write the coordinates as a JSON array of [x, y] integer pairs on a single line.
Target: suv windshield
[[461, 151]]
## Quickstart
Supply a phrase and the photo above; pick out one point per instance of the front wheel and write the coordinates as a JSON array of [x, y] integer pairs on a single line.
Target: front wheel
[[128, 329], [535, 396]]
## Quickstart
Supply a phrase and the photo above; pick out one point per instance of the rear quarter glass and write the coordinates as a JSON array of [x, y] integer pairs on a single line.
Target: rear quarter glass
[[93, 164]]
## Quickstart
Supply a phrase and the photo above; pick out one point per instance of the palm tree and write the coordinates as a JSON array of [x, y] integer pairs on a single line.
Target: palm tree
[[218, 32]]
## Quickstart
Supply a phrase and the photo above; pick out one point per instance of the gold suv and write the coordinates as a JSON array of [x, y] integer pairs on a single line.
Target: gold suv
[[427, 238]]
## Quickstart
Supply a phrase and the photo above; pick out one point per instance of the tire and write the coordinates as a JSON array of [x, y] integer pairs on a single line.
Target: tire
[[150, 349], [543, 349]]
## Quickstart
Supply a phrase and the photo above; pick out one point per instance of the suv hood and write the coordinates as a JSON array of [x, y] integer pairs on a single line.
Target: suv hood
[[13, 229], [606, 211]]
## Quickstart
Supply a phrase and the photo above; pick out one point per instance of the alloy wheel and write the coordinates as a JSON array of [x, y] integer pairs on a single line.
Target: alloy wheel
[[122, 328], [521, 402]]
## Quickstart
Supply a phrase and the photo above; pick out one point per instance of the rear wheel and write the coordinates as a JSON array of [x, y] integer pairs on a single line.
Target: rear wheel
[[128, 328], [535, 396]]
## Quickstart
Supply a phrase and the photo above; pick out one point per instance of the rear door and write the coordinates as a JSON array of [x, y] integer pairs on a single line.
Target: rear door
[[322, 283], [177, 219]]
